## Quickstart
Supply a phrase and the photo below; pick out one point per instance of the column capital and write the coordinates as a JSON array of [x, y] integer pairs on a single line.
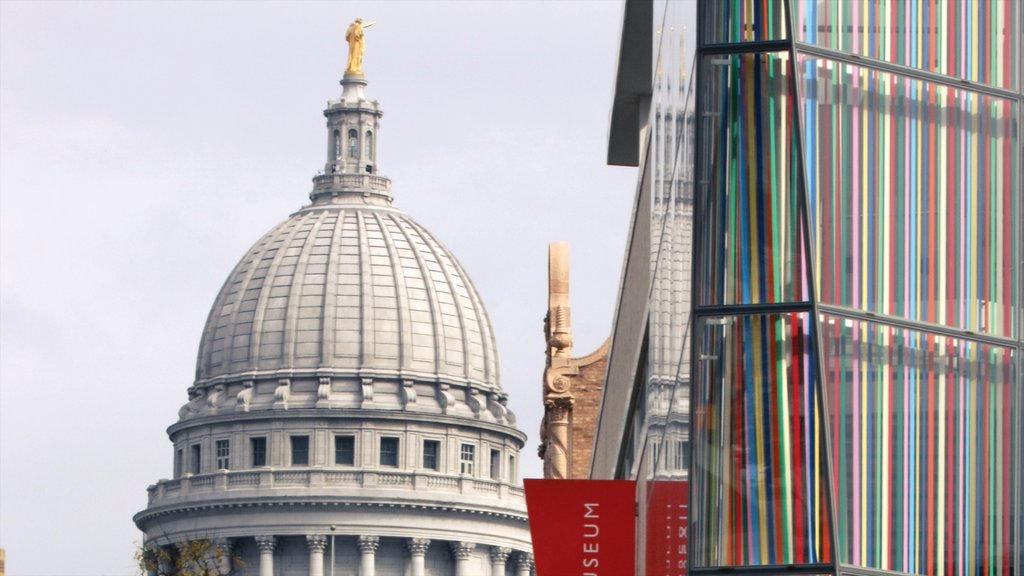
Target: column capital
[[368, 544], [500, 554], [524, 560], [316, 542], [462, 550], [417, 546], [266, 542]]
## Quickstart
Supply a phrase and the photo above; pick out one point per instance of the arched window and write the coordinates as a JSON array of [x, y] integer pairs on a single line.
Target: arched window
[[353, 144], [368, 143], [337, 144]]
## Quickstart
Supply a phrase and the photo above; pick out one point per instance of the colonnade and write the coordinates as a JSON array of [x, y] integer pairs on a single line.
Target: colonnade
[[417, 548]]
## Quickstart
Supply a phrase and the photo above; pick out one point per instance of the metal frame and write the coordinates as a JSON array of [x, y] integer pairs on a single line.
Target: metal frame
[[814, 306]]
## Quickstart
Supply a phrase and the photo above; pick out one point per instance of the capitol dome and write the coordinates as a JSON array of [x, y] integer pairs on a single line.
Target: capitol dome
[[349, 287], [347, 391]]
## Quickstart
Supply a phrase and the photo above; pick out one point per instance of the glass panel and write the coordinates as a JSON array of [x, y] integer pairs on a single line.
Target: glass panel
[[922, 429], [916, 199], [744, 21], [974, 40], [760, 496], [751, 246]]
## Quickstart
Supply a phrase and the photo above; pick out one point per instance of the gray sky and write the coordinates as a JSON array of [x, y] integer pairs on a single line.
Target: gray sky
[[145, 146]]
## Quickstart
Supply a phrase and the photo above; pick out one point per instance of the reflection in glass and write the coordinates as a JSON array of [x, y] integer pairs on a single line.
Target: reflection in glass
[[744, 21], [759, 471], [916, 202], [974, 40], [751, 246], [924, 462]]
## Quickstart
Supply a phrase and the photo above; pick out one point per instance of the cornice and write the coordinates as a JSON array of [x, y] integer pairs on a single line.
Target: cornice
[[295, 502]]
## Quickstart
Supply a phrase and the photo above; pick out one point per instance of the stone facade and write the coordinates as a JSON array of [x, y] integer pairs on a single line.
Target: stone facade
[[347, 415], [572, 386]]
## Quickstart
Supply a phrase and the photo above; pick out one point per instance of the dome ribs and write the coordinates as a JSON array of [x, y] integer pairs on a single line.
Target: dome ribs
[[302, 330], [489, 352], [329, 321], [454, 333], [366, 316], [265, 344], [407, 229], [403, 323]]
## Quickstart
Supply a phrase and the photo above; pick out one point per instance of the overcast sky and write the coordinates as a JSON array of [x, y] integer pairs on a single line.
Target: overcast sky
[[145, 146]]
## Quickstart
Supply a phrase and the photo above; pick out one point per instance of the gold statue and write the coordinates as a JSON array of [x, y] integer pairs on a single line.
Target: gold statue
[[356, 46]]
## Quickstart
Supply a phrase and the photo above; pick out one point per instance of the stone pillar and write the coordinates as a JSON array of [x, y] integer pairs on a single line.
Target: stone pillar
[[266, 545], [368, 552], [498, 558], [316, 544], [222, 552], [462, 551], [524, 563], [417, 553]]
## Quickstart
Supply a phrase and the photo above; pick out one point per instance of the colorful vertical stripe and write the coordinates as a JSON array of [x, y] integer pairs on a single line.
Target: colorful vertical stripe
[[760, 472], [970, 39], [751, 248], [916, 197], [924, 461], [744, 21]]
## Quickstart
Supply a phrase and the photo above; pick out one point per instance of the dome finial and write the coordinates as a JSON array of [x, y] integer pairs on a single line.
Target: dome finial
[[356, 47]]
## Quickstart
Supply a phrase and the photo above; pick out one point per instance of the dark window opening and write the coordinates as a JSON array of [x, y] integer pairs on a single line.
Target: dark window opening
[[300, 450], [259, 451], [345, 450], [431, 450], [389, 452]]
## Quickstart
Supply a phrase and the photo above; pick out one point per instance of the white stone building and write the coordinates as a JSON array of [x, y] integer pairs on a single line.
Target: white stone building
[[347, 400]]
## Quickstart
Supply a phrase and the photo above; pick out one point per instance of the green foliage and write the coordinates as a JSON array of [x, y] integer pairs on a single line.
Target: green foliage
[[191, 558]]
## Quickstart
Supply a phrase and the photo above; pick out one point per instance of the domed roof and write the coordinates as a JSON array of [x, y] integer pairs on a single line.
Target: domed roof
[[349, 286]]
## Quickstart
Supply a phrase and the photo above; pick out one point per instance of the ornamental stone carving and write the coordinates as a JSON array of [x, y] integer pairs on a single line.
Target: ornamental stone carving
[[496, 408], [323, 393], [282, 393], [367, 390], [500, 554], [417, 546], [196, 398], [244, 397], [368, 544], [215, 398], [524, 562], [462, 550], [408, 393], [473, 401], [316, 542], [444, 397], [266, 543]]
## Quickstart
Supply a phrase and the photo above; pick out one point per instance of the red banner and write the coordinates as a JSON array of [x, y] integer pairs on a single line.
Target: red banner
[[582, 527], [668, 511]]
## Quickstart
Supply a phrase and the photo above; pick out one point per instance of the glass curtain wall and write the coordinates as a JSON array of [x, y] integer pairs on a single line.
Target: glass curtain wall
[[858, 287]]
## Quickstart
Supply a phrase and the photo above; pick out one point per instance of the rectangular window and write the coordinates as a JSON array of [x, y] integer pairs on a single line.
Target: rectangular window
[[178, 459], [195, 458], [512, 469], [259, 451], [467, 458], [495, 464], [345, 450], [223, 450], [431, 449], [389, 452], [300, 450]]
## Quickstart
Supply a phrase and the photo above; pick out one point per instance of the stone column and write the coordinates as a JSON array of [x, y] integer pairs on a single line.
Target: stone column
[[462, 552], [524, 563], [498, 558], [222, 552], [417, 553], [266, 545], [368, 551], [316, 544]]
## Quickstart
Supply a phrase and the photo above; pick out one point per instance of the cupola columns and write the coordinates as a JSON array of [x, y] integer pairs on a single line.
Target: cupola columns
[[352, 167]]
